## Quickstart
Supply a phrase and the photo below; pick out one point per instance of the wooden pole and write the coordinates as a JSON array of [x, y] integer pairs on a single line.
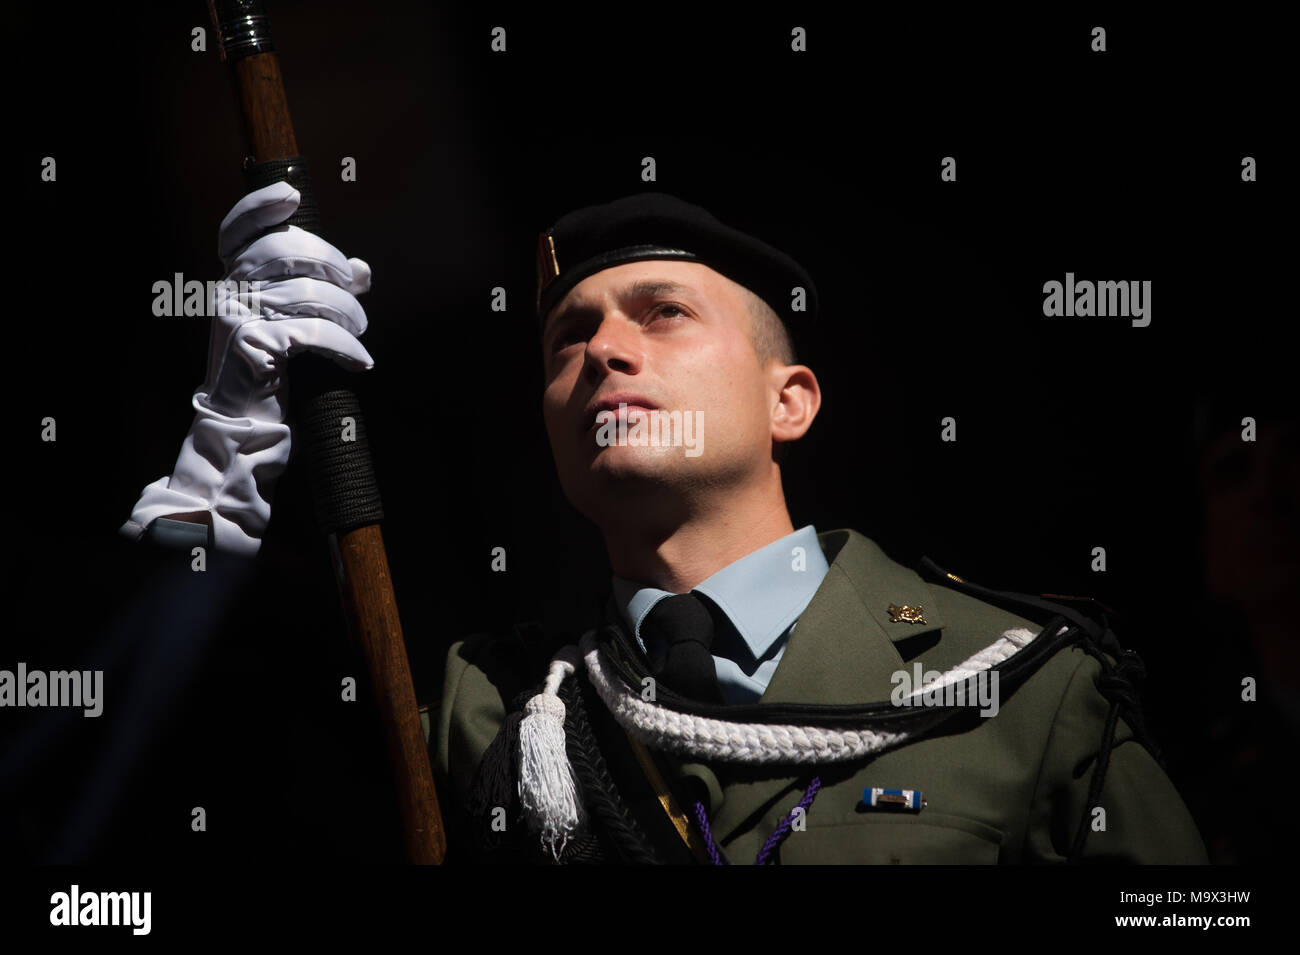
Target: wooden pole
[[346, 498]]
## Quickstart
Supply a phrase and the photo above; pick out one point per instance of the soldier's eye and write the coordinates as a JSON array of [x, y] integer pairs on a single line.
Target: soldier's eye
[[565, 337]]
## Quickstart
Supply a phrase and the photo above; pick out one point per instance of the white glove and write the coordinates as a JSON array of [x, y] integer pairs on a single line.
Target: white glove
[[239, 443]]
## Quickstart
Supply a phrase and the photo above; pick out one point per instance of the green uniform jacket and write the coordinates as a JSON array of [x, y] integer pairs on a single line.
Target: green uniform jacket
[[1009, 789]]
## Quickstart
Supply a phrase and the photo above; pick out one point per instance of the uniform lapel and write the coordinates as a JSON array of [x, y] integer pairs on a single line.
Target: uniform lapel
[[843, 648]]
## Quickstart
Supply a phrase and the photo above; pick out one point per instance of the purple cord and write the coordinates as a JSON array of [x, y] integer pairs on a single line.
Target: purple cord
[[703, 818], [773, 840], [783, 830]]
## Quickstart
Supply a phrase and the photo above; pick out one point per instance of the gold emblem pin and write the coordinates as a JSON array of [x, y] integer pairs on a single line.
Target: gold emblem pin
[[906, 614]]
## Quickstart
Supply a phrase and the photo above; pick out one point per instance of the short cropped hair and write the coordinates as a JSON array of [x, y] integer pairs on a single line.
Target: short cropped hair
[[771, 337]]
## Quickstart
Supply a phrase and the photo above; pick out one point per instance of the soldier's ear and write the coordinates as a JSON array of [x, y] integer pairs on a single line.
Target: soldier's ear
[[797, 397]]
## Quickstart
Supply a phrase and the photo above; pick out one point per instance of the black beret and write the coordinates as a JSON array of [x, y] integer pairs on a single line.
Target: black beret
[[655, 225]]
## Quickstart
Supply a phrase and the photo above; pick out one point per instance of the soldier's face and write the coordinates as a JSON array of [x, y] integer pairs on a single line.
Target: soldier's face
[[662, 337]]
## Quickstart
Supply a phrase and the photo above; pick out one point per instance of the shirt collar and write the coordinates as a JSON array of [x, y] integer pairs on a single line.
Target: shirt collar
[[762, 593]]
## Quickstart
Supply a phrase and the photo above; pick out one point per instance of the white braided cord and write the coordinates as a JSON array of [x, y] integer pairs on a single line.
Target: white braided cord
[[1011, 642], [666, 729]]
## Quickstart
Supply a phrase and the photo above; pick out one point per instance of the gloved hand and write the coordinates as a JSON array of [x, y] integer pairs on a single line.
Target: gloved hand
[[238, 446]]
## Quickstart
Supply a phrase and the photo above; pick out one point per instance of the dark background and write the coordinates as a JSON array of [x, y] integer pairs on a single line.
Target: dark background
[[1072, 433]]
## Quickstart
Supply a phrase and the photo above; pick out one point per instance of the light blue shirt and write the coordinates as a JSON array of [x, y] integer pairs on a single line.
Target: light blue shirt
[[762, 595]]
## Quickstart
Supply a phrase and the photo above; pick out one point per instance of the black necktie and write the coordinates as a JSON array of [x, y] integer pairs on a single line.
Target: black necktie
[[678, 634]]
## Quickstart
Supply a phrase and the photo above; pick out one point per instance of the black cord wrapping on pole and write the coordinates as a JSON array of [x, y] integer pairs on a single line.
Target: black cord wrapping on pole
[[295, 171], [343, 486], [327, 415]]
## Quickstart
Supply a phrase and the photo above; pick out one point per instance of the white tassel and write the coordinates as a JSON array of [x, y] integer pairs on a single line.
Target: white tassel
[[547, 789]]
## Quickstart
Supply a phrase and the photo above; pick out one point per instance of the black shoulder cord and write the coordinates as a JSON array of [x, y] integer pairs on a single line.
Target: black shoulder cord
[[495, 785], [599, 791], [1120, 683]]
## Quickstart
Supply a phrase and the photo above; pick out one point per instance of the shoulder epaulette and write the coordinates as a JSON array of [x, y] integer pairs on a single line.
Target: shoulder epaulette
[[1122, 671]]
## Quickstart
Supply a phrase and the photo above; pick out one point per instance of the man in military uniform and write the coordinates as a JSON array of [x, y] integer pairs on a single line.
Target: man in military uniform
[[738, 701], [747, 696]]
